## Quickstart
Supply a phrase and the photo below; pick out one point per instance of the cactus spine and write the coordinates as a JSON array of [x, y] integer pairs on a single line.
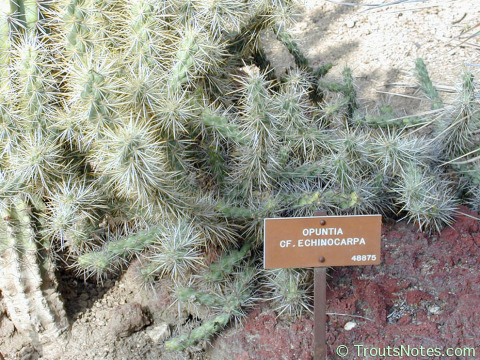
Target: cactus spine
[[230, 298], [26, 277], [28, 159]]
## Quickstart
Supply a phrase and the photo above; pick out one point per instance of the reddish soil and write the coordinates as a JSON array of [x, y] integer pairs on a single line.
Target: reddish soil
[[426, 293]]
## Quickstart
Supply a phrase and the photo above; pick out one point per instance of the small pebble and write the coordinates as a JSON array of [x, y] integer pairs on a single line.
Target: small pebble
[[435, 310], [159, 332], [350, 23], [350, 325]]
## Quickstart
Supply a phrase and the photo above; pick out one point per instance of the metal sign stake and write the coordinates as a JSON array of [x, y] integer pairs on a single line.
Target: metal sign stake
[[320, 313], [320, 308], [322, 241]]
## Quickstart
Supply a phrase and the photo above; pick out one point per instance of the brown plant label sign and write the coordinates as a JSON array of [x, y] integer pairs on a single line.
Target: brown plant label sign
[[322, 241]]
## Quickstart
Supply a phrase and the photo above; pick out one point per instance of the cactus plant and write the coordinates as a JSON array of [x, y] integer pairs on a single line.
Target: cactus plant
[[27, 277], [290, 291], [455, 133], [230, 298], [155, 130]]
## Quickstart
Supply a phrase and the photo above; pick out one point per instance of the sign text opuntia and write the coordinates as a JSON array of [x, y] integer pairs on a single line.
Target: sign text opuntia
[[335, 240]]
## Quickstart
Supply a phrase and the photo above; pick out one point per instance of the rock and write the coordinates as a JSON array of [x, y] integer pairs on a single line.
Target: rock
[[127, 319], [159, 332], [404, 320], [415, 296], [349, 325], [27, 352], [434, 309]]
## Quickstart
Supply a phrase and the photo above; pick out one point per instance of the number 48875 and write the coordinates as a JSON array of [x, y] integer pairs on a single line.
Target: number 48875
[[364, 257]]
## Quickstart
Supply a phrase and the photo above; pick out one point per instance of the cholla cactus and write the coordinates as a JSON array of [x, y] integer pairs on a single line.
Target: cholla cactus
[[426, 197], [232, 293], [27, 277], [456, 128], [156, 130], [290, 290]]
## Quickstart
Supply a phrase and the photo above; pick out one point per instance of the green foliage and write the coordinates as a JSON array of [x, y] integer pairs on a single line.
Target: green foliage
[[203, 332], [114, 251], [226, 264], [156, 130], [455, 141], [16, 228], [386, 118], [300, 60], [232, 295], [427, 85]]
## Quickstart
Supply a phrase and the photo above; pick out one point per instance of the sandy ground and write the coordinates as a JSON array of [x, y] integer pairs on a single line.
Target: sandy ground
[[381, 45]]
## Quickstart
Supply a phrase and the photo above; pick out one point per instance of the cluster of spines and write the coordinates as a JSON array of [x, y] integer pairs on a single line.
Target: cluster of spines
[[289, 290], [455, 137], [459, 124], [427, 197], [26, 275], [229, 285]]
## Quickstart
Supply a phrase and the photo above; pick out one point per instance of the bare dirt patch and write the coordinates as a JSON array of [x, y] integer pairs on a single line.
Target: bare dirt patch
[[380, 45]]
